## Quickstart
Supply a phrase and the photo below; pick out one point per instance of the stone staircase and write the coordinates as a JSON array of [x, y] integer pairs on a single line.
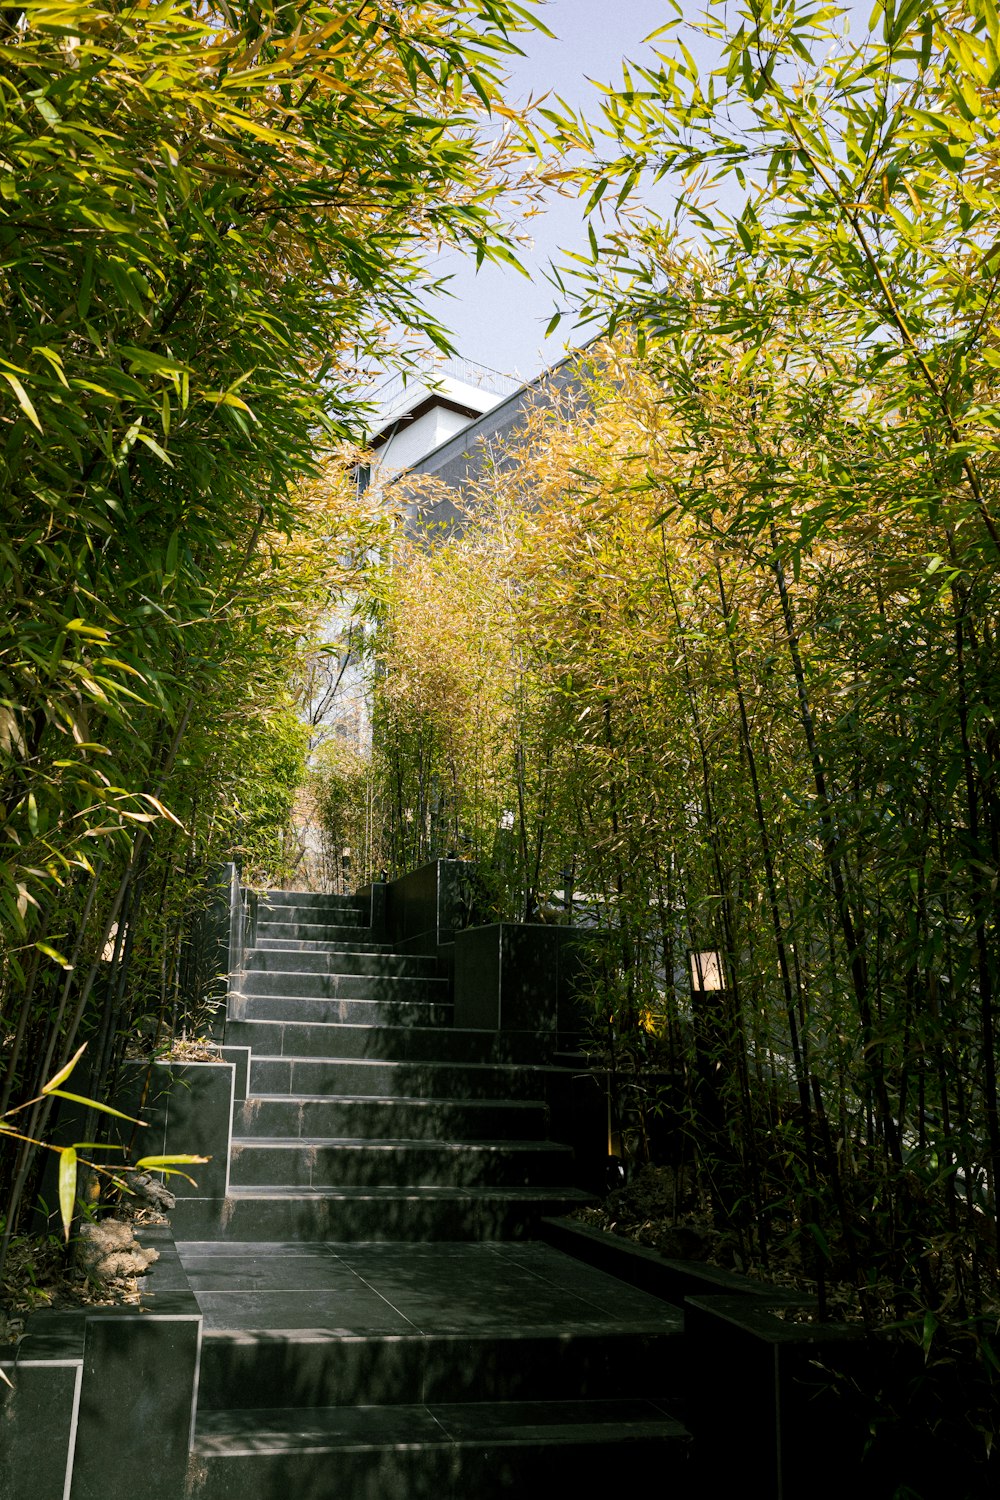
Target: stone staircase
[[381, 1317]]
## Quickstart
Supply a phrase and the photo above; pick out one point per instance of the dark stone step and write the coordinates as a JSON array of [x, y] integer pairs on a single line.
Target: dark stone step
[[314, 900], [286, 1008], [317, 1368], [323, 1324], [471, 1449], [409, 1214], [278, 1038], [287, 981], [388, 1163], [380, 1119], [305, 945], [385, 1079], [327, 932], [320, 961]]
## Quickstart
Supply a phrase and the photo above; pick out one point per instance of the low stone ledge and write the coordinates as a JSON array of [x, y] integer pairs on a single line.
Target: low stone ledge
[[189, 1110], [779, 1386], [104, 1398], [672, 1280], [38, 1417]]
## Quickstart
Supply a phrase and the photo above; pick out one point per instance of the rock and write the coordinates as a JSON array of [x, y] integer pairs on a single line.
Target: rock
[[682, 1242], [150, 1190], [108, 1248], [650, 1195]]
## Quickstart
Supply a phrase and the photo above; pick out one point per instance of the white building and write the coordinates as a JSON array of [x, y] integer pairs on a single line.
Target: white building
[[419, 412], [446, 418]]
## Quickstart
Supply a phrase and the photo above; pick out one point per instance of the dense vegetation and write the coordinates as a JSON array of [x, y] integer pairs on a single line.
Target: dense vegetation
[[720, 649], [208, 216], [719, 653]]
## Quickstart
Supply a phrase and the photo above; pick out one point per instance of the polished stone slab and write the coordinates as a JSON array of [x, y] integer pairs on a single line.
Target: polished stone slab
[[269, 1431], [351, 1310], [481, 1287]]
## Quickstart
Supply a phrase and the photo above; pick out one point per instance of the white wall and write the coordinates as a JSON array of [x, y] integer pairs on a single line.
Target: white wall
[[412, 441]]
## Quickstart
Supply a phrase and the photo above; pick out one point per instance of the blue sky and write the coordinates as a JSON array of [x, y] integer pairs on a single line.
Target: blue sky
[[496, 316]]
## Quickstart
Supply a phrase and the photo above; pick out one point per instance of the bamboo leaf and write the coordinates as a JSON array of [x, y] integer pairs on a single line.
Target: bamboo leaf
[[23, 399], [147, 1162], [67, 1187], [64, 1072], [60, 959], [105, 1109]]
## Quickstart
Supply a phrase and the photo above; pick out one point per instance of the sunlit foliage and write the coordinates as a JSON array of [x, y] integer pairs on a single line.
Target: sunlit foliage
[[208, 216]]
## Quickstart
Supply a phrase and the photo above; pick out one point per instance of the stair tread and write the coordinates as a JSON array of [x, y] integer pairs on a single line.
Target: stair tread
[[445, 1424], [442, 984], [404, 1062], [468, 1033], [408, 1099], [366, 947], [413, 1190], [366, 1143], [397, 1000]]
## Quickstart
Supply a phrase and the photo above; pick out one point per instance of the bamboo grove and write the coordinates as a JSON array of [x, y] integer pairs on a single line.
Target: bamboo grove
[[717, 648], [207, 217], [717, 747]]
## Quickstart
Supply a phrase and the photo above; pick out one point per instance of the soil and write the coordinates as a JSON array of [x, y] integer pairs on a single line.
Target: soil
[[657, 1209], [41, 1272], [181, 1049], [198, 1049]]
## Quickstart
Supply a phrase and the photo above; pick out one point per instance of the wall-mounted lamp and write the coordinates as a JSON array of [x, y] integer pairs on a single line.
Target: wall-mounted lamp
[[707, 974]]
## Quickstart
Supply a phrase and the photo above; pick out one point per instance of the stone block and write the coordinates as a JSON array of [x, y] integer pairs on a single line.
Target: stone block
[[38, 1418], [518, 976], [774, 1386]]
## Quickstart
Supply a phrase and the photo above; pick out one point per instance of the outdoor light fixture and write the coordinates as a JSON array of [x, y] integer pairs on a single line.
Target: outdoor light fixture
[[706, 969]]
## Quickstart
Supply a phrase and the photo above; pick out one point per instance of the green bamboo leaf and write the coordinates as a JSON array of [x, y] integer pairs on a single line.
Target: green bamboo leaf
[[92, 632], [176, 1172], [67, 1187], [951, 156], [105, 1109], [60, 958], [746, 238], [154, 447], [63, 1073], [170, 1161], [23, 399]]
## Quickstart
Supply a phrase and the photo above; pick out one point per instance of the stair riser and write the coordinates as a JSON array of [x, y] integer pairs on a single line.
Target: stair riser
[[404, 1218], [377, 1119], [397, 1166], [375, 1141], [275, 1038], [282, 1075], [305, 945], [342, 986], [293, 1008], [327, 932], [241, 1372], [307, 961], [485, 1471], [312, 901]]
